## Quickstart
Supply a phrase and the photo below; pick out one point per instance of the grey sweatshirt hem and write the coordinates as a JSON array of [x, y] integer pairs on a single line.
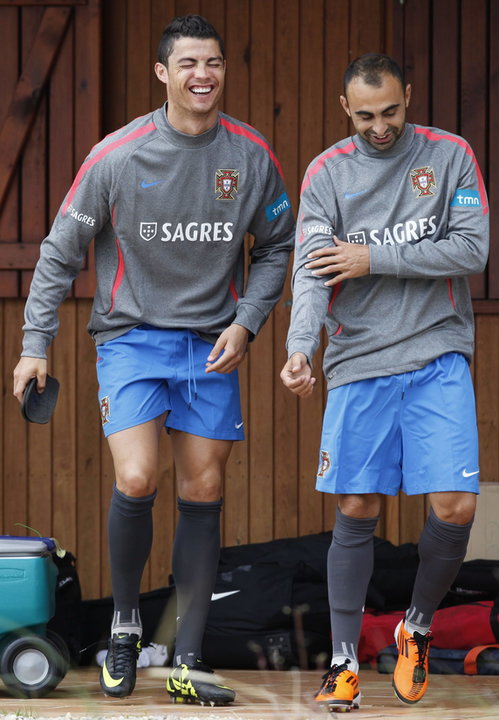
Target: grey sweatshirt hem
[[386, 372]]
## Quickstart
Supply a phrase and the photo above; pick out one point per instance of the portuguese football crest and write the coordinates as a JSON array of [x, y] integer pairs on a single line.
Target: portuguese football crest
[[325, 464], [226, 184], [104, 410], [423, 179]]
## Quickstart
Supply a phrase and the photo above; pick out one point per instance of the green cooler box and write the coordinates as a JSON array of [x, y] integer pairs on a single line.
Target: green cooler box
[[33, 660]]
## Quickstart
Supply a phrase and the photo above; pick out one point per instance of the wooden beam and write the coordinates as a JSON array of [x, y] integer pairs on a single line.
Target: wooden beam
[[486, 307], [22, 110], [27, 3]]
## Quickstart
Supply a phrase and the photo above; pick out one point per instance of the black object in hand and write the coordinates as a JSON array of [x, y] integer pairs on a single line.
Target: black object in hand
[[38, 407]]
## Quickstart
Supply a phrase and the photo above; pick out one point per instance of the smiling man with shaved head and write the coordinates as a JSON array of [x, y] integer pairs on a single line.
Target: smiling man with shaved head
[[406, 209]]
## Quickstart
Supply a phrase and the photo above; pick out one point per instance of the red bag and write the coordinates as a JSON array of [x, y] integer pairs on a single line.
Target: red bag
[[460, 627]]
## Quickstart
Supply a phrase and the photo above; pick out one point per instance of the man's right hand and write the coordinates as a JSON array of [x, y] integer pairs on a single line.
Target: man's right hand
[[297, 375], [26, 369]]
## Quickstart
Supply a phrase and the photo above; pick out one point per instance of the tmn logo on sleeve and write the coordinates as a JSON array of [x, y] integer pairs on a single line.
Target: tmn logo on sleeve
[[226, 184]]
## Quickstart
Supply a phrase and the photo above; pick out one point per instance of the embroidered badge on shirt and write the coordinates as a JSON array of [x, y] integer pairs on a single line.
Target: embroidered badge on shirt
[[325, 464], [226, 184], [423, 179], [105, 410]]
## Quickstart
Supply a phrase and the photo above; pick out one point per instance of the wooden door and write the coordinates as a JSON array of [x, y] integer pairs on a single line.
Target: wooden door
[[49, 118]]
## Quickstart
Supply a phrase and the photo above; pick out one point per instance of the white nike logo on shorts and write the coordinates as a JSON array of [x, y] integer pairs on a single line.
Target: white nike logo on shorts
[[219, 596], [467, 474], [238, 425]]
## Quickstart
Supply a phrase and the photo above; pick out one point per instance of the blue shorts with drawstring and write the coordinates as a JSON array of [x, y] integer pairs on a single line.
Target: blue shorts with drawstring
[[415, 432], [150, 371]]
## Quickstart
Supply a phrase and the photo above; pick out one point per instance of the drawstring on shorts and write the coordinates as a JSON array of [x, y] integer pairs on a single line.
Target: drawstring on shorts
[[191, 377]]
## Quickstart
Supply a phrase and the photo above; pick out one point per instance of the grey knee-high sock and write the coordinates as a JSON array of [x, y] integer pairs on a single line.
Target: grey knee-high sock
[[196, 551], [350, 563], [442, 548], [130, 539]]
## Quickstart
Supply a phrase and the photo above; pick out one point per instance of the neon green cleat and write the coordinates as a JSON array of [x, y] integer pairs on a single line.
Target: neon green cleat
[[118, 674], [197, 684]]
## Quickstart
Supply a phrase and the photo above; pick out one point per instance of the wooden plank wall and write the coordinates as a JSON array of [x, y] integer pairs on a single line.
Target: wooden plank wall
[[449, 50], [285, 64]]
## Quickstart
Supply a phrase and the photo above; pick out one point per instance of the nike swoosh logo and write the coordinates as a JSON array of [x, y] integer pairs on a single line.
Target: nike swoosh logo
[[239, 425], [467, 474], [219, 596], [145, 184], [349, 196], [108, 680]]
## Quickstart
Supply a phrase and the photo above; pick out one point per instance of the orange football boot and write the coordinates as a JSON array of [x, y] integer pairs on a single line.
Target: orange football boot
[[340, 689], [410, 678]]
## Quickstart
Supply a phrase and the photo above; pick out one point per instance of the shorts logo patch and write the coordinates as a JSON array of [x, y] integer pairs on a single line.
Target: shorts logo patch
[[467, 474], [325, 464], [148, 230], [226, 184], [105, 409], [422, 180]]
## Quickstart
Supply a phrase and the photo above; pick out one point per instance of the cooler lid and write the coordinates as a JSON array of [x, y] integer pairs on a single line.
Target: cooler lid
[[12, 545]]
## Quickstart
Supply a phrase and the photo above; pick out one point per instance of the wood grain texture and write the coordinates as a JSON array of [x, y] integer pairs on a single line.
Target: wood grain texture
[[285, 64]]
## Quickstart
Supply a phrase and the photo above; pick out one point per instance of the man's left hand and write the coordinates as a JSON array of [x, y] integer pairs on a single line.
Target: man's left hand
[[232, 345], [346, 260]]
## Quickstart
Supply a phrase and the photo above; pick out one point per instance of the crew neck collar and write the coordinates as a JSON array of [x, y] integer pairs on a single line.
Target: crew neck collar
[[182, 139], [400, 146]]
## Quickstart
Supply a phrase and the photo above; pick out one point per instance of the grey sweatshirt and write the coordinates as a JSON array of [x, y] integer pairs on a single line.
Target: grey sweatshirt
[[169, 213], [422, 209]]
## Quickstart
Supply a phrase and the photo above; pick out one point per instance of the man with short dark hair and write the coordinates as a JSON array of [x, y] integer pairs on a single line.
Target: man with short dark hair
[[169, 199], [407, 210]]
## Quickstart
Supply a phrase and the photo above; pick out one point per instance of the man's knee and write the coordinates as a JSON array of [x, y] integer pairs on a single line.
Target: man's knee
[[457, 508], [204, 486], [366, 505], [135, 481]]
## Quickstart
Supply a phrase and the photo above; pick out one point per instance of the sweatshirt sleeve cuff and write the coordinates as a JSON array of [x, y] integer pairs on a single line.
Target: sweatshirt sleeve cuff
[[251, 318], [35, 344], [294, 346]]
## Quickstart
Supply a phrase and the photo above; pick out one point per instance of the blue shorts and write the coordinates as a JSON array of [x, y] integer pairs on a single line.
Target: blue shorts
[[148, 371], [416, 432]]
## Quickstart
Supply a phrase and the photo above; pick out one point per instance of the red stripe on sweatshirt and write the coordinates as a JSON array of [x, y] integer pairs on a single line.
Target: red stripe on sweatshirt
[[247, 133], [451, 294], [319, 164], [462, 143], [98, 157], [120, 270], [233, 290], [334, 295]]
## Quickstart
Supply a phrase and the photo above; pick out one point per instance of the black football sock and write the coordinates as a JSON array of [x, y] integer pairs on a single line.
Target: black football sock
[[130, 540], [350, 563], [442, 548], [196, 551]]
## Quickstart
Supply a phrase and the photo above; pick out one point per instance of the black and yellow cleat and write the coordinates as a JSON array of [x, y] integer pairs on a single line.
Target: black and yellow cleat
[[197, 684], [119, 671]]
